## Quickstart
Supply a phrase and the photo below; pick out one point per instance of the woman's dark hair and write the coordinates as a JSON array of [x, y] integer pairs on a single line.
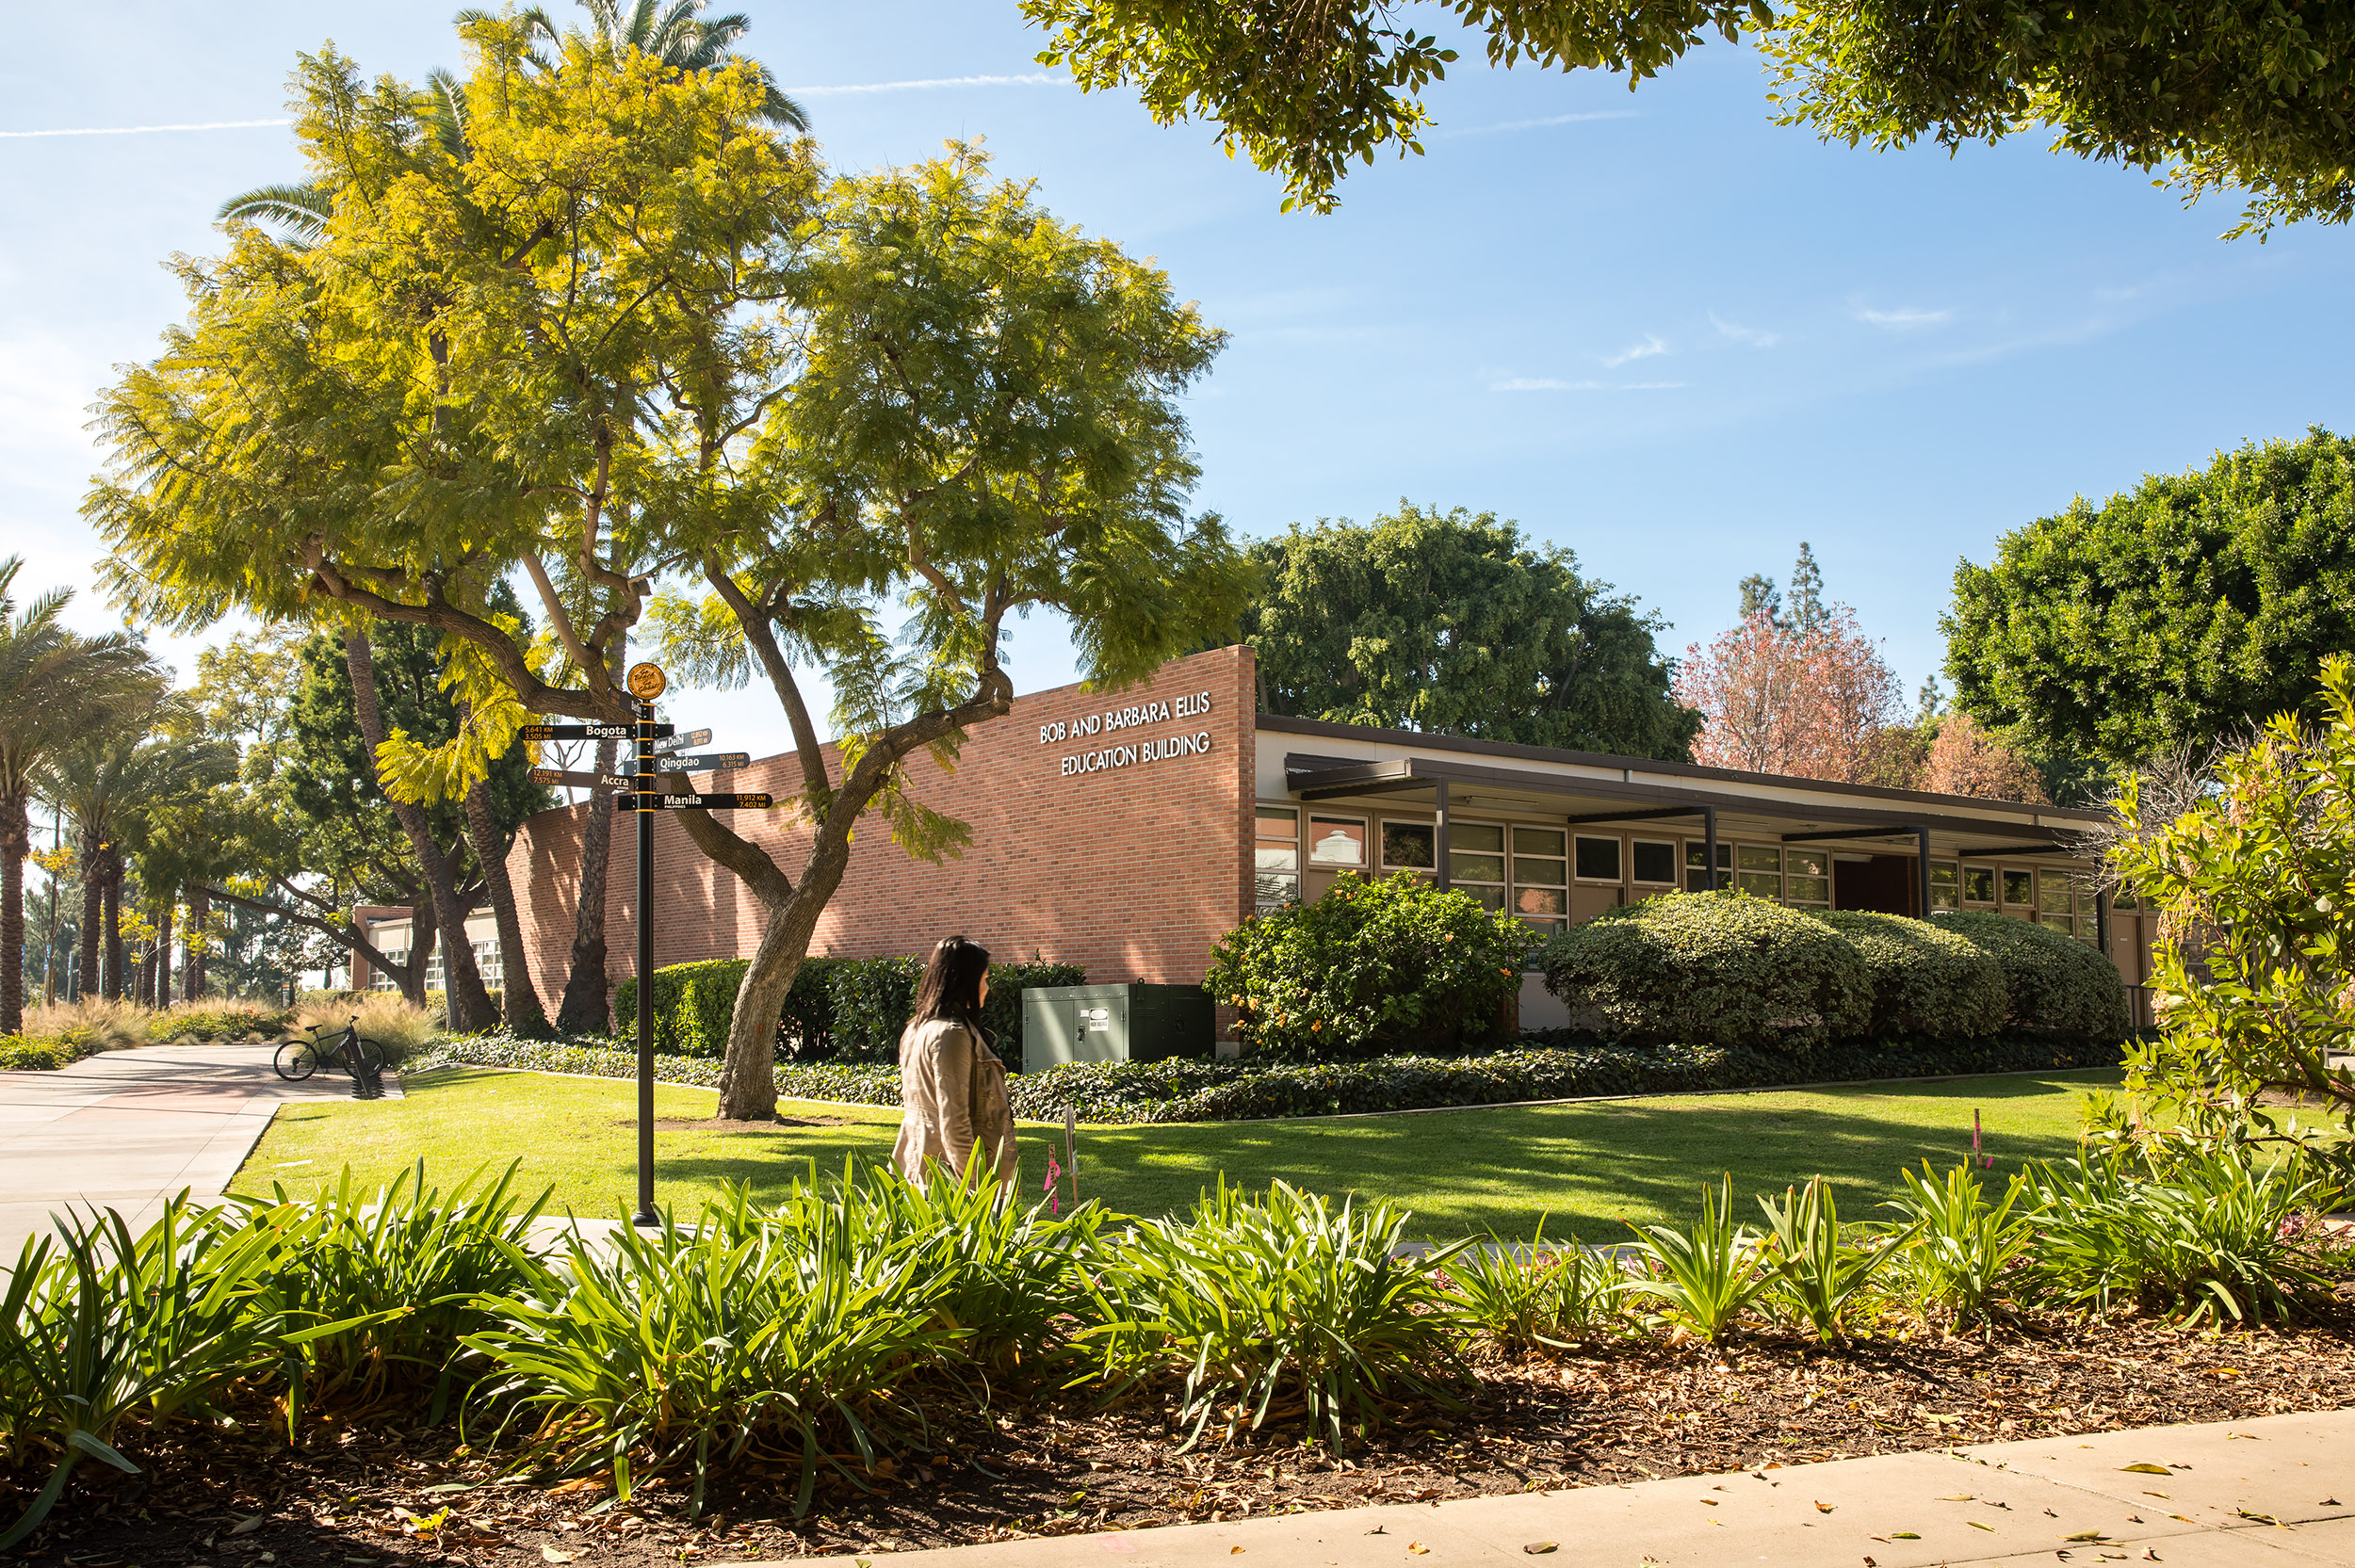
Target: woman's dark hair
[[951, 990]]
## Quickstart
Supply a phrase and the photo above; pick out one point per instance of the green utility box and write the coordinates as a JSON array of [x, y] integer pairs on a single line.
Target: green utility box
[[1114, 1023]]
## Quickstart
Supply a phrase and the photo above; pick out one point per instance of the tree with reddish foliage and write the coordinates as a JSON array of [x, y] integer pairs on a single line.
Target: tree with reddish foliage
[[1804, 696], [1967, 760]]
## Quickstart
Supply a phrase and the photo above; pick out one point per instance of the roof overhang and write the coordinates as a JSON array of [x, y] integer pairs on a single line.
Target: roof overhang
[[1801, 811]]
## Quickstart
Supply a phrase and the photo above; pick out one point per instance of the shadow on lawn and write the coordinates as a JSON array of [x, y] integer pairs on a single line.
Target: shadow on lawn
[[1589, 1167]]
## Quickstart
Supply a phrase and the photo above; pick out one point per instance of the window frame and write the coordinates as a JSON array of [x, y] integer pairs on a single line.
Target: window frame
[[1310, 823], [1674, 857], [1618, 854]]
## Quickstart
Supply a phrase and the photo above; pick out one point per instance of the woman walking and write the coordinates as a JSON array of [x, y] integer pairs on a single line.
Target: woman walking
[[953, 1086]]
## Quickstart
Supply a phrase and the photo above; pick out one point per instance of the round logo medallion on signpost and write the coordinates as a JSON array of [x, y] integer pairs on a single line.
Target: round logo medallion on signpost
[[646, 682]]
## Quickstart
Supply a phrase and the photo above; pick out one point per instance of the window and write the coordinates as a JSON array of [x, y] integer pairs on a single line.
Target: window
[[1540, 883], [2122, 898], [378, 979], [1697, 866], [1337, 841], [2089, 926], [1475, 860], [1807, 878], [1978, 884], [2017, 886], [487, 964], [1598, 859], [1275, 858], [2055, 905], [1407, 845], [1655, 864], [1945, 879], [1758, 870]]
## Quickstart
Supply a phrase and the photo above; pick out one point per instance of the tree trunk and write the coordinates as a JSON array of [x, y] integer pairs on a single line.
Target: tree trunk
[[748, 1078], [89, 982], [143, 978], [161, 993], [587, 991], [469, 1005], [16, 842], [520, 998], [111, 985], [198, 932]]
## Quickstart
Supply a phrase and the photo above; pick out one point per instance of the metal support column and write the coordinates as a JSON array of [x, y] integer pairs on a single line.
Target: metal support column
[[1439, 835], [1709, 842], [2101, 920], [1921, 873], [646, 787]]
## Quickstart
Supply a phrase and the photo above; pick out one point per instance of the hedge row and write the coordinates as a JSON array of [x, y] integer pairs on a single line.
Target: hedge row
[[1191, 1091], [1725, 969], [20, 1053], [841, 1009]]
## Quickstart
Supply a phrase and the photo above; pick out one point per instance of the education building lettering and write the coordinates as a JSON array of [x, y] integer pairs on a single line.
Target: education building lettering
[[1131, 754]]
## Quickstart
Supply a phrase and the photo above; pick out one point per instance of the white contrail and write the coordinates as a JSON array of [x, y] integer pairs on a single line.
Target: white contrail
[[142, 130], [1034, 79]]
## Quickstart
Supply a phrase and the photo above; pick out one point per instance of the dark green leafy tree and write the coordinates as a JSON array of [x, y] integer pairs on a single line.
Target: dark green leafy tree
[[2183, 612], [2254, 98], [1455, 624]]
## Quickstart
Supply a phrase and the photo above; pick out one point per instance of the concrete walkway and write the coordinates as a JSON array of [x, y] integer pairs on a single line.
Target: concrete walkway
[[2277, 1492], [127, 1129]]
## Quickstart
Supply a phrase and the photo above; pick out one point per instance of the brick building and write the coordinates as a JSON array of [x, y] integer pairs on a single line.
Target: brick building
[[1128, 833]]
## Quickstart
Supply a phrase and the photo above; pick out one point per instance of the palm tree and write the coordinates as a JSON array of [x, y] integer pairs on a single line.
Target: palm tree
[[109, 784], [677, 34], [54, 687]]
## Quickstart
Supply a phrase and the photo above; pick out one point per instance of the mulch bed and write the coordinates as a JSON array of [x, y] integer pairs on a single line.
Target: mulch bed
[[1622, 1414]]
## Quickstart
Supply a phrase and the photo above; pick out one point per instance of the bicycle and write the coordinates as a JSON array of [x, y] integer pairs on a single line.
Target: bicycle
[[297, 1060]]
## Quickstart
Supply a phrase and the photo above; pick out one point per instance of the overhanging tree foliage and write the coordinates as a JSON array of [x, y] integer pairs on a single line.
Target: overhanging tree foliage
[[1455, 624], [633, 332], [2254, 97], [2182, 613]]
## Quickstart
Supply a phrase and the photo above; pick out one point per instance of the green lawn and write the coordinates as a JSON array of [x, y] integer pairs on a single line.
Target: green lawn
[[1593, 1167]]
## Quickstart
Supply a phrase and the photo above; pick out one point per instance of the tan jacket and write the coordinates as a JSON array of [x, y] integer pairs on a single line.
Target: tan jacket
[[952, 1096]]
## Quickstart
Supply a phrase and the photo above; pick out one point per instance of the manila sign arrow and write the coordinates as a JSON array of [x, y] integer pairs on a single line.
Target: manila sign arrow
[[692, 802], [589, 731]]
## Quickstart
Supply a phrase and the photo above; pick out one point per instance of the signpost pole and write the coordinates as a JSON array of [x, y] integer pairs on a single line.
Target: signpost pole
[[646, 1215]]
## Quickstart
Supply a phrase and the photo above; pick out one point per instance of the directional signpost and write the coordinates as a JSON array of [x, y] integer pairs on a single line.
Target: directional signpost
[[660, 749]]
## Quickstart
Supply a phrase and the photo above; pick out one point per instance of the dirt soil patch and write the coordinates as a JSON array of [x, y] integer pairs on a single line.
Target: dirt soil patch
[[355, 1497]]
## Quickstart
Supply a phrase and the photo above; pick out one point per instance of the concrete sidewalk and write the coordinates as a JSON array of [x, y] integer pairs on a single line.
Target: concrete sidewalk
[[2277, 1491], [127, 1129]]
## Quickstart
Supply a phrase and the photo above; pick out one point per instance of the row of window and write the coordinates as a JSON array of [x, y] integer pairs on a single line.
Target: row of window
[[1531, 869], [486, 963]]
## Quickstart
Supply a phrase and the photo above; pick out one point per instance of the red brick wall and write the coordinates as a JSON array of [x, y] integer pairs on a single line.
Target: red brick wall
[[1133, 870]]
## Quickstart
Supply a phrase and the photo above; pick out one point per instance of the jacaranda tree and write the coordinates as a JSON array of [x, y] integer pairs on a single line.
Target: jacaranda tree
[[636, 337]]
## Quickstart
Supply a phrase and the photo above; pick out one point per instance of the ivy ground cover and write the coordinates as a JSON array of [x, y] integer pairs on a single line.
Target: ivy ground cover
[[1593, 1168]]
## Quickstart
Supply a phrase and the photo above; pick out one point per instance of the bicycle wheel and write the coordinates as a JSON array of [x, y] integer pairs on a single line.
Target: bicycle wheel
[[370, 1055], [297, 1060]]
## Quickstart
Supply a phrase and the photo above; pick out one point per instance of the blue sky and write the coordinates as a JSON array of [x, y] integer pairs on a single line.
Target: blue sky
[[1651, 327]]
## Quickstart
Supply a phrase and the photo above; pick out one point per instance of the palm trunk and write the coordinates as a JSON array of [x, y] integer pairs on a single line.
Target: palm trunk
[[16, 842], [192, 960], [162, 991], [111, 985], [470, 1008], [89, 982], [587, 991], [520, 1000]]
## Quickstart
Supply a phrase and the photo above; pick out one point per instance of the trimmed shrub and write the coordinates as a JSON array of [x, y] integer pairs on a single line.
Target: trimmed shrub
[[1712, 969], [1927, 980], [2053, 981], [1371, 966], [1180, 1090], [848, 1010]]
